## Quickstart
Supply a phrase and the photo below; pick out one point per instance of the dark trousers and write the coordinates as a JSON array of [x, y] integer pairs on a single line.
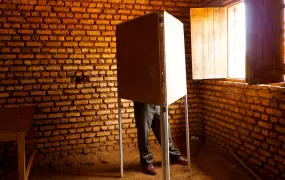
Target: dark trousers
[[148, 116]]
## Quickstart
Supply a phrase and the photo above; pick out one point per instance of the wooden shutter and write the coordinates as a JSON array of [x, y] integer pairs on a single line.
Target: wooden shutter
[[264, 41], [209, 42]]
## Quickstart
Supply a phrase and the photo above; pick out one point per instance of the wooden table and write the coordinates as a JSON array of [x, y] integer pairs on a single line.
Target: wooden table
[[14, 125]]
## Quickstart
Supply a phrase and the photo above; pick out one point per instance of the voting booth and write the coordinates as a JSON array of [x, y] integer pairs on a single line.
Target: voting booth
[[151, 69]]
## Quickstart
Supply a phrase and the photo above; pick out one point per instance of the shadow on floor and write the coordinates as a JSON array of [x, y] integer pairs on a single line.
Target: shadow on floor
[[208, 163]]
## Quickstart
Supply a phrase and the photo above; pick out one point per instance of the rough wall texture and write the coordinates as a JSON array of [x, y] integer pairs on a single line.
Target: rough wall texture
[[60, 56], [249, 119]]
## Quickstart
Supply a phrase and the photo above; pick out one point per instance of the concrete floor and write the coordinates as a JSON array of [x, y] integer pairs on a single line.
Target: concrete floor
[[207, 164]]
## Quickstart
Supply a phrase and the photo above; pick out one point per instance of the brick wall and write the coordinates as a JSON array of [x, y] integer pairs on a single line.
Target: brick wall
[[60, 56], [250, 119]]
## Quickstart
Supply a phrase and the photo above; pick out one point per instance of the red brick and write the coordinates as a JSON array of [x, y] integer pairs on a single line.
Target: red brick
[[80, 102], [25, 7], [42, 8], [19, 68], [282, 106], [3, 95], [250, 120], [20, 93], [85, 44], [29, 1], [265, 153], [72, 136], [180, 4], [280, 129], [16, 19], [78, 9], [38, 93], [52, 20], [69, 21], [103, 133], [64, 126], [28, 81], [77, 32], [55, 115], [265, 124], [61, 9], [72, 114], [87, 135], [264, 117], [274, 112], [72, 44], [15, 43], [243, 131], [7, 56], [256, 161], [7, 6], [43, 31], [26, 56], [35, 19], [34, 44], [271, 169], [273, 142], [76, 56]]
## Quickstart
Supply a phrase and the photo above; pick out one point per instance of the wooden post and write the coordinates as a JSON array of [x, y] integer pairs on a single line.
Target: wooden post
[[21, 155]]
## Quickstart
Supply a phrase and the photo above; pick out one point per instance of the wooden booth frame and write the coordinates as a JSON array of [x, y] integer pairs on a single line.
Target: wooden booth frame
[[156, 42]]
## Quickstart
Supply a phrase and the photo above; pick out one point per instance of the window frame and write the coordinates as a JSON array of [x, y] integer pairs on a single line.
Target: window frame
[[264, 60]]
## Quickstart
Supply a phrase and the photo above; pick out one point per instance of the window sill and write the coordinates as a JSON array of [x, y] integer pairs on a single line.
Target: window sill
[[235, 80], [242, 83]]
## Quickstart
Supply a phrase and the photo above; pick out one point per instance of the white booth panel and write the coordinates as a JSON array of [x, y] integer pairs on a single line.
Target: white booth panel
[[174, 58]]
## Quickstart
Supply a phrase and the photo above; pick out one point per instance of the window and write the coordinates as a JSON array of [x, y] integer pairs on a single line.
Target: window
[[242, 41], [236, 41]]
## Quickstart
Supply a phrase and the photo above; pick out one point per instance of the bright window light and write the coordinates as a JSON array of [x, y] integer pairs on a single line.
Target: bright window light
[[236, 41]]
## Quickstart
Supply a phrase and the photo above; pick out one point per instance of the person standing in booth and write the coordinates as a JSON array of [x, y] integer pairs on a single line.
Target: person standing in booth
[[148, 116]]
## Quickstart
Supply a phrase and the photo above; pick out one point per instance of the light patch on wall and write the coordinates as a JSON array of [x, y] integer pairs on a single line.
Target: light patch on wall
[[236, 41]]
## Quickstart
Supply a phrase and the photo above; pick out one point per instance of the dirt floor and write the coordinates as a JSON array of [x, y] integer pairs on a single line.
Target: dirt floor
[[207, 164]]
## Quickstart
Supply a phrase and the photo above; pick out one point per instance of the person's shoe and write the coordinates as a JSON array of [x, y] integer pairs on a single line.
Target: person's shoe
[[179, 160], [149, 169]]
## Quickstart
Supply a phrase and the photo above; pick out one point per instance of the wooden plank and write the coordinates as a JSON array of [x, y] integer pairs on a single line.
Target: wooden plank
[[21, 155], [217, 39], [16, 119], [253, 40], [205, 44], [211, 43], [8, 136], [270, 41], [196, 18], [221, 68], [278, 21], [265, 46], [31, 159]]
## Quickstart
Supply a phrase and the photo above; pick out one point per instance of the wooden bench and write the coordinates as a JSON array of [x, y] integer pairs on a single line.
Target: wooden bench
[[14, 125]]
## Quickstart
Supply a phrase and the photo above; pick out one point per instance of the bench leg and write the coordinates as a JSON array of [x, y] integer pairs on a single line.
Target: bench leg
[[21, 155]]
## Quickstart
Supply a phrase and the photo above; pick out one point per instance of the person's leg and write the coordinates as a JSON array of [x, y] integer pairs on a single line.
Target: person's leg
[[173, 152], [143, 119]]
